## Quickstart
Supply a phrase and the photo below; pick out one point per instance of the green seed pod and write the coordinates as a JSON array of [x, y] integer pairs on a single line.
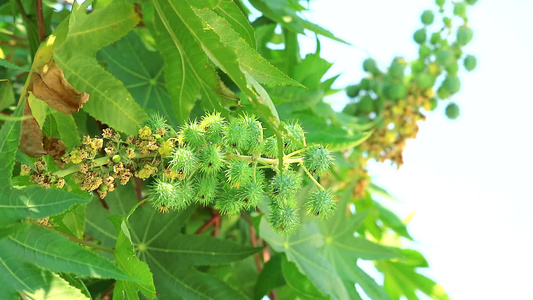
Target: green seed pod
[[452, 111], [420, 36], [365, 84], [426, 80], [206, 189], [435, 38], [229, 203], [447, 22], [464, 35], [417, 66], [440, 2], [244, 134], [239, 173], [285, 186], [397, 70], [396, 91], [471, 2], [116, 158], [459, 9], [365, 105], [452, 84], [251, 195], [183, 161], [320, 204], [443, 93], [156, 122], [445, 58], [352, 91], [424, 51], [369, 65], [185, 194], [284, 218], [295, 139], [470, 62], [427, 17], [192, 135], [317, 159], [213, 126], [270, 147], [452, 69], [210, 159], [162, 193]]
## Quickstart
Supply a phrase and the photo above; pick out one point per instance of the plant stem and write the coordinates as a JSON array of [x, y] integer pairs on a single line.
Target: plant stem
[[73, 169], [313, 178], [40, 20]]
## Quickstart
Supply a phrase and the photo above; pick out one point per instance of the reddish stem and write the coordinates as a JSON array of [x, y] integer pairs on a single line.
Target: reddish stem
[[40, 20], [107, 293], [139, 188], [254, 242], [214, 220]]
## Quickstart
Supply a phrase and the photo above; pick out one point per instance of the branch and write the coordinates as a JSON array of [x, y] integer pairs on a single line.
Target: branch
[[41, 27], [215, 220]]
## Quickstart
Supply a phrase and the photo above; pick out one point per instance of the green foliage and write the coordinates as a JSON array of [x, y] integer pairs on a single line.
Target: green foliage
[[206, 163]]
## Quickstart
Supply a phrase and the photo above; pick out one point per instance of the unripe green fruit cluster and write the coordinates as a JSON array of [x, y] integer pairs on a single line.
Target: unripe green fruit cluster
[[221, 163]]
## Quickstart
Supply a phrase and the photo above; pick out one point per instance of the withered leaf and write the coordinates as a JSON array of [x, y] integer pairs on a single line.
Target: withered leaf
[[51, 86], [31, 135]]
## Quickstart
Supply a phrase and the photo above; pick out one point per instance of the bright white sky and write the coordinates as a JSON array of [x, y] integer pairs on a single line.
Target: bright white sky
[[468, 180]]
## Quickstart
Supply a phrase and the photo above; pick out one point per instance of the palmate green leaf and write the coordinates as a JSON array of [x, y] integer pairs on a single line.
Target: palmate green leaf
[[128, 261], [284, 12], [238, 21], [187, 72], [17, 277], [50, 250], [9, 140], [299, 282], [270, 278], [322, 249], [110, 102], [71, 221], [34, 202], [4, 63], [171, 255], [403, 280], [333, 135], [249, 60], [141, 71]]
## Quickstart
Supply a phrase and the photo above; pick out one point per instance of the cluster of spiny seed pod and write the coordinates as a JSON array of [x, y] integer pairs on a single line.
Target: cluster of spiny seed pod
[[229, 165], [397, 97]]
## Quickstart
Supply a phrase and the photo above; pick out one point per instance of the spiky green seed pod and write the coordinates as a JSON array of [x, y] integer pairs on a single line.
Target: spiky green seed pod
[[397, 70], [320, 204], [229, 202], [251, 195], [369, 65], [284, 218], [445, 57], [157, 123], [352, 91], [317, 159], [213, 126], [244, 134], [295, 138], [185, 194], [210, 159], [270, 147], [285, 186], [452, 84], [206, 189], [239, 173], [161, 193], [183, 161], [191, 135], [435, 38]]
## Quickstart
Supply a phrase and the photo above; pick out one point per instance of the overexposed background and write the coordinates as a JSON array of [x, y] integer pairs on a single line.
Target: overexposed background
[[468, 180]]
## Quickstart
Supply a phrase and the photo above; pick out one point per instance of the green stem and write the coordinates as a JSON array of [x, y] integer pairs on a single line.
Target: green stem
[[76, 168], [262, 160], [313, 178]]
